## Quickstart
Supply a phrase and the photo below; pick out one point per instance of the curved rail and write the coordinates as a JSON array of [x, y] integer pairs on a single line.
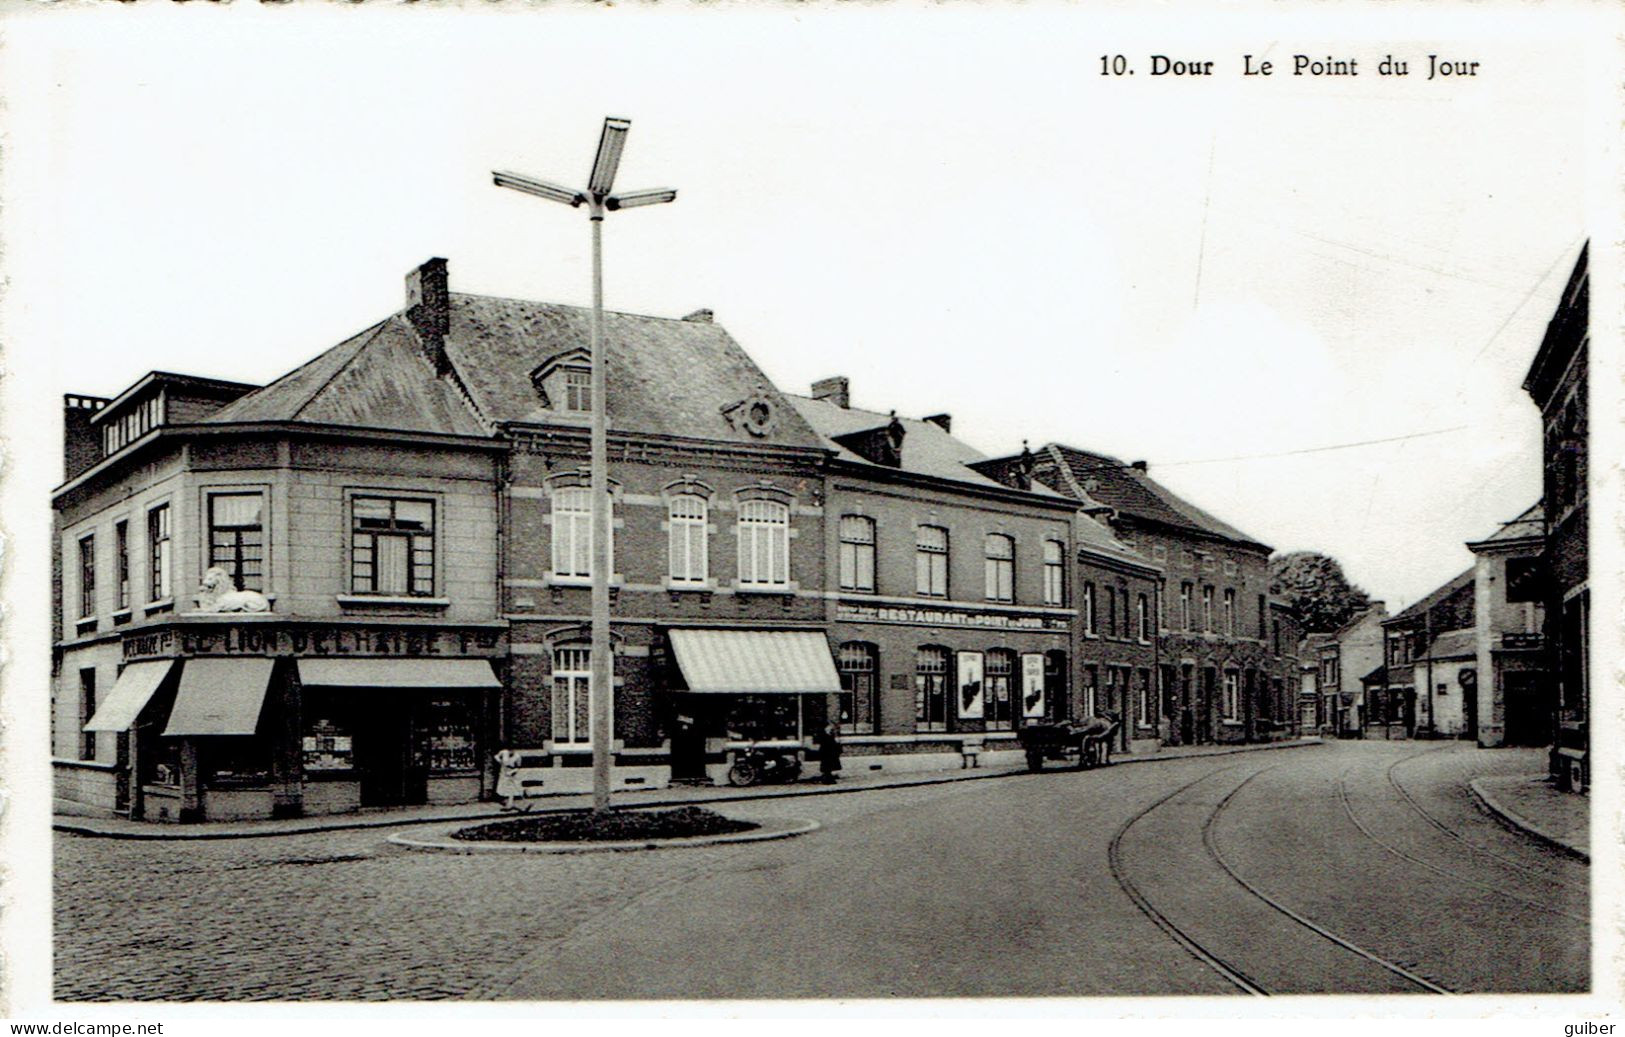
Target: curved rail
[[1218, 858], [1348, 808]]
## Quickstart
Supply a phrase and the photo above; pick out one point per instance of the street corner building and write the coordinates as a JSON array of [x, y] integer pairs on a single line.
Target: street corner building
[[368, 582]]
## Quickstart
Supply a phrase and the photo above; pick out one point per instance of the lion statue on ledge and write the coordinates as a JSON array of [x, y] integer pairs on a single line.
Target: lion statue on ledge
[[219, 593]]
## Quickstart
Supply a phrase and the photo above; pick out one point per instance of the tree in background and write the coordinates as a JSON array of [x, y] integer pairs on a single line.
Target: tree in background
[[1315, 586]]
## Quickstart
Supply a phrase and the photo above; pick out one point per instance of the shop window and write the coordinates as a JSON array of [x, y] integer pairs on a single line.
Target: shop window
[[443, 739], [392, 546], [687, 541], [1229, 613], [328, 744], [1232, 695], [235, 761], [121, 563], [158, 549], [931, 688], [858, 666], [161, 762], [857, 556], [87, 709], [237, 538], [572, 695], [87, 576], [1091, 689], [1054, 572], [931, 561], [764, 543], [763, 718], [1057, 695], [1000, 553], [998, 674], [1091, 622]]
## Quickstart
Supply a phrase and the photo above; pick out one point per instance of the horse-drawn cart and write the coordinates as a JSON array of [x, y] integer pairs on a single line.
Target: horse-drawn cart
[[1090, 741]]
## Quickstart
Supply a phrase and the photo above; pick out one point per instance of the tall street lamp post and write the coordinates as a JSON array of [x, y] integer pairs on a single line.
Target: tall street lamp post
[[598, 199]]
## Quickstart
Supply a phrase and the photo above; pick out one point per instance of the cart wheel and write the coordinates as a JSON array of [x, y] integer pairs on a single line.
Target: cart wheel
[[1035, 760], [743, 773]]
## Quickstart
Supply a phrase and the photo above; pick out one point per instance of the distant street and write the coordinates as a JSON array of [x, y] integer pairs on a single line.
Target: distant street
[[1351, 867]]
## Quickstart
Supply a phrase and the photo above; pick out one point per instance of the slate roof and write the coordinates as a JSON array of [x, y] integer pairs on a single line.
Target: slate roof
[[376, 379], [1132, 492], [1417, 610], [1532, 523], [1378, 675], [927, 448], [1454, 644], [1096, 537], [666, 376]]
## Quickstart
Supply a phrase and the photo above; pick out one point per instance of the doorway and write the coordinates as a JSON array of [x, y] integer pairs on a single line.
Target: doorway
[[384, 759], [1528, 713]]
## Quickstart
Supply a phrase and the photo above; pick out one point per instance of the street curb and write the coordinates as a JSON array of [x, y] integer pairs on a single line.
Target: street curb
[[1516, 822], [180, 833], [781, 828]]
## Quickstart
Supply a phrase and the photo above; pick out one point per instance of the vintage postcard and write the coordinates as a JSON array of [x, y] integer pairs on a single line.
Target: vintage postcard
[[988, 509]]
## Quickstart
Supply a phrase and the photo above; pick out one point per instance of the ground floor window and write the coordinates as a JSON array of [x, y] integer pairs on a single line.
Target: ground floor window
[[858, 664], [999, 670], [764, 718], [1231, 703], [1091, 688], [443, 738], [1145, 698], [328, 743], [235, 760], [161, 762], [931, 689], [1057, 696], [572, 695]]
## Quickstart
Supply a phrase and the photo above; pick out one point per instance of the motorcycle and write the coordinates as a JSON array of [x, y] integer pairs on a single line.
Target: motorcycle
[[755, 765]]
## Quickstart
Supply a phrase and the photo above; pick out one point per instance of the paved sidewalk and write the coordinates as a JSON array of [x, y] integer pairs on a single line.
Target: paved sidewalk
[[1535, 806], [122, 828]]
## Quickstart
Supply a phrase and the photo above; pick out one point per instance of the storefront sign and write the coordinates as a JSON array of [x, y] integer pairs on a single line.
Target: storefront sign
[[264, 639], [931, 617], [970, 686], [1032, 687]]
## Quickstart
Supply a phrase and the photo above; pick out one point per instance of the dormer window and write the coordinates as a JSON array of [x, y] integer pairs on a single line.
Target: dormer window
[[577, 389]]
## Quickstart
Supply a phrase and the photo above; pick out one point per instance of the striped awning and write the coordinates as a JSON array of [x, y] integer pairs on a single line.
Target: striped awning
[[397, 673], [755, 662], [220, 696], [130, 695]]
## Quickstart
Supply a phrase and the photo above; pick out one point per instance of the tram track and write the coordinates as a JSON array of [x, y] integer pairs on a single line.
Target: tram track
[[1365, 830], [1225, 966], [1453, 833]]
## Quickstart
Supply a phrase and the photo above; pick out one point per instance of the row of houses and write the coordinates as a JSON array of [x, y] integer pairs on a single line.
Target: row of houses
[[1499, 653], [352, 586]]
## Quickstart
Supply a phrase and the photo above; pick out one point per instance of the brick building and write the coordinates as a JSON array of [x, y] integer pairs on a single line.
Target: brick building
[[1225, 657], [1557, 383], [1427, 646]]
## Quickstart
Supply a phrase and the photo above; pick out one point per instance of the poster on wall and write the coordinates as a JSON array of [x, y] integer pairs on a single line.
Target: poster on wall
[[970, 685], [1032, 687]]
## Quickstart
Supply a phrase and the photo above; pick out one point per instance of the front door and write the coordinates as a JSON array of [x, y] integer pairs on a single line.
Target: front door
[[1528, 715], [688, 729], [382, 748]]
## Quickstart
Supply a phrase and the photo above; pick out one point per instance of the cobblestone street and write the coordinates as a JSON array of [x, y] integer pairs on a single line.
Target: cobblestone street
[[1008, 886]]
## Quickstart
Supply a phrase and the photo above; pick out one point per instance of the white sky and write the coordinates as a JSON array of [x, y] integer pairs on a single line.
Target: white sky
[[952, 206]]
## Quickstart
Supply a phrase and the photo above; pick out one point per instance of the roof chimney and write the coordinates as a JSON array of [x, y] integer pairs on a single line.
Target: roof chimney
[[428, 307], [81, 444], [836, 390], [1139, 466], [942, 421], [701, 317]]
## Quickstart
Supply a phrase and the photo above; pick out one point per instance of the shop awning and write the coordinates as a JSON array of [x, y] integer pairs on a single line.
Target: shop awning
[[220, 696], [130, 695], [755, 662], [397, 673]]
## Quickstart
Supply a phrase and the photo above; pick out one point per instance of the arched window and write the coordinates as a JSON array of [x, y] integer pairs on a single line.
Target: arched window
[[1001, 567], [764, 543], [931, 688], [998, 676], [931, 561], [1143, 618], [858, 665], [686, 539], [572, 694], [857, 560], [572, 533]]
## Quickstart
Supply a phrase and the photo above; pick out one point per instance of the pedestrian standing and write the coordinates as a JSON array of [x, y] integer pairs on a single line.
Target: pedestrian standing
[[829, 752]]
